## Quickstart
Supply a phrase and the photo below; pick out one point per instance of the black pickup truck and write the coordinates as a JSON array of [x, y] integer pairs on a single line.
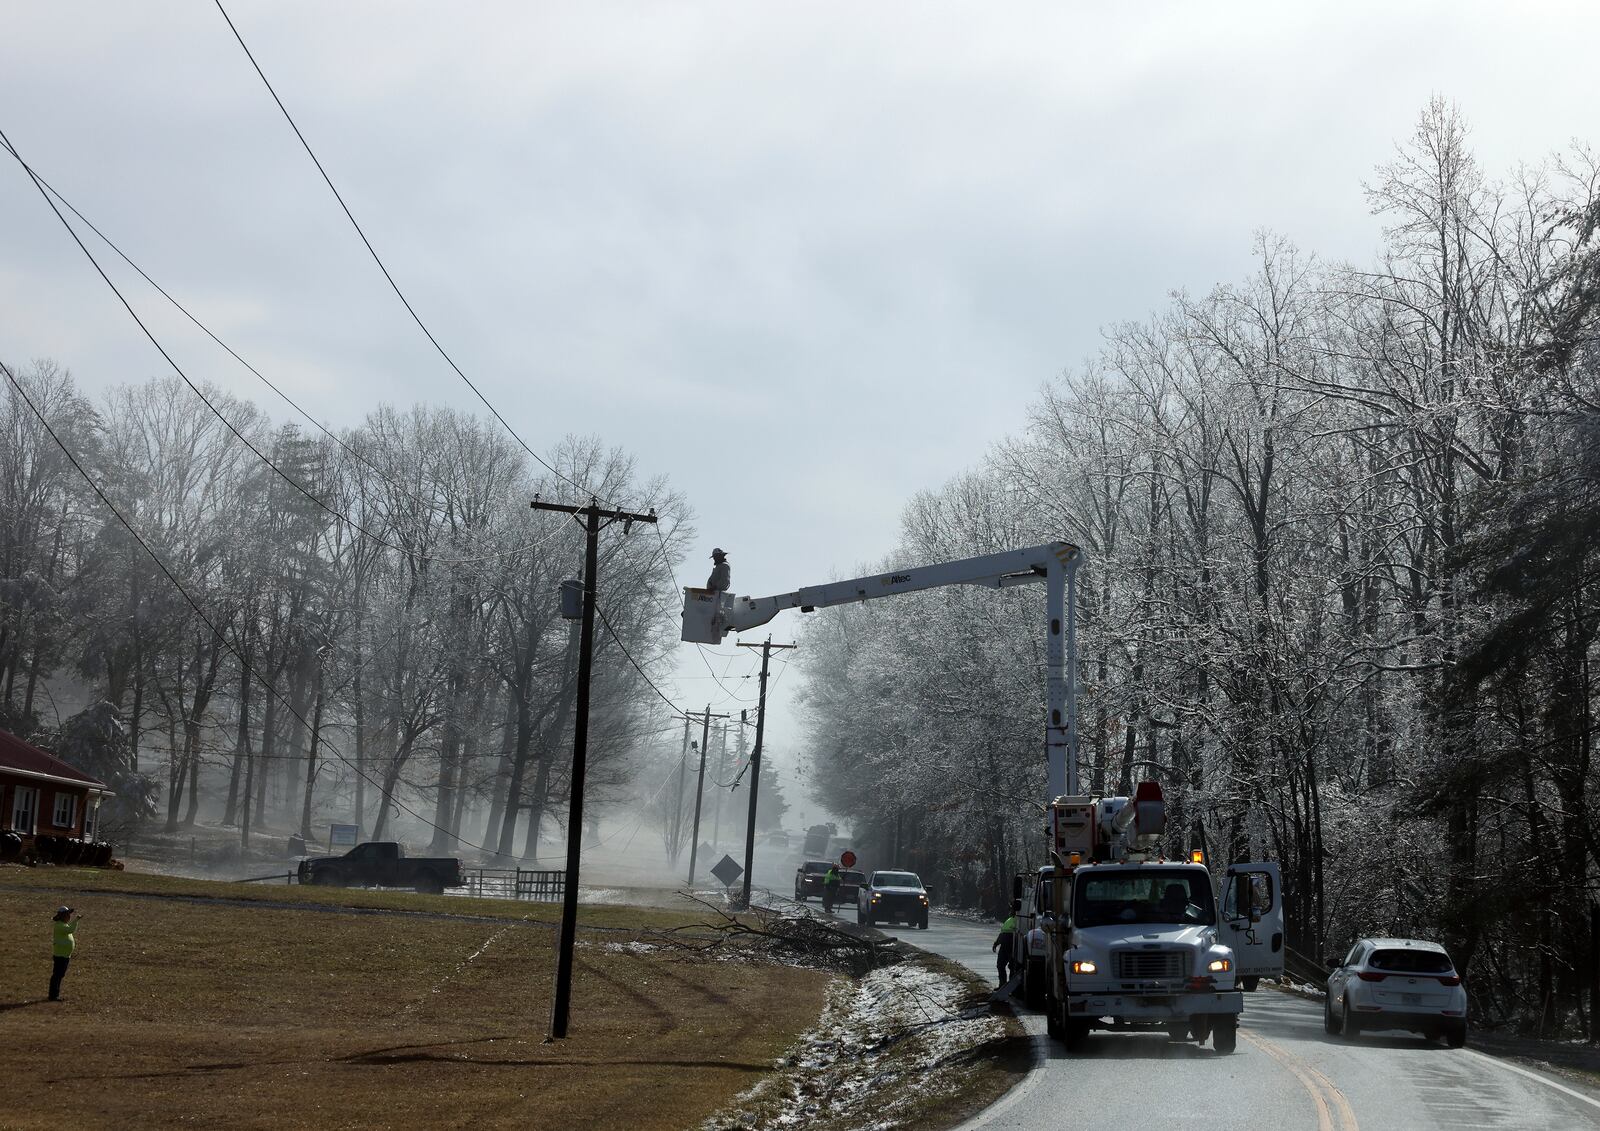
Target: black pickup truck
[[382, 864]]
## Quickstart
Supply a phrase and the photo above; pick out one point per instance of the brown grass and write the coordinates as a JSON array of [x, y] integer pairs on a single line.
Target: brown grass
[[186, 1010], [68, 883]]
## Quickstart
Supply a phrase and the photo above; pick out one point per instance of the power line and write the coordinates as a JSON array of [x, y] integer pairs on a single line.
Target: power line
[[678, 711], [215, 411], [353, 452], [415, 317], [207, 621]]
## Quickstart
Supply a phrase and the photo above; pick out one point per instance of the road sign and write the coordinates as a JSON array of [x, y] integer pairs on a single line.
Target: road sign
[[847, 858], [343, 836], [727, 870]]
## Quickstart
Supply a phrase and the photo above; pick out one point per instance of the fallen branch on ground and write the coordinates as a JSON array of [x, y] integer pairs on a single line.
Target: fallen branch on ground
[[794, 937]]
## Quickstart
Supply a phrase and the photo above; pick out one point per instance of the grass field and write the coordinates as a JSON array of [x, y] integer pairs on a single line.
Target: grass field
[[185, 1008]]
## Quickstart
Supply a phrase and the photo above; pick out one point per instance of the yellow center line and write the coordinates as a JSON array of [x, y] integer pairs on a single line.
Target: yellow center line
[[1334, 1112]]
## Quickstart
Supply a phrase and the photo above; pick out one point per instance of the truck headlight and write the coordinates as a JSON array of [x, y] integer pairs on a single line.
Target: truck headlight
[[1220, 966], [1084, 968]]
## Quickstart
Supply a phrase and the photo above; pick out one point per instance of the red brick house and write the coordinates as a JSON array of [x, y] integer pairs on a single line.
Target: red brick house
[[42, 796]]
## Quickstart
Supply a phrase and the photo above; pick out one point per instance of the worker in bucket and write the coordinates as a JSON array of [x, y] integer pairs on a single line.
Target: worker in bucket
[[721, 575], [64, 928], [1002, 945]]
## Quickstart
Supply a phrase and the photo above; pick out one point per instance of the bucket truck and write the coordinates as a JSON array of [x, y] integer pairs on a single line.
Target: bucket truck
[[1113, 934]]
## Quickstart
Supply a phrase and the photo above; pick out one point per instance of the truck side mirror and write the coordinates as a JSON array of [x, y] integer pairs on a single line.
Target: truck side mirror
[[1016, 890]]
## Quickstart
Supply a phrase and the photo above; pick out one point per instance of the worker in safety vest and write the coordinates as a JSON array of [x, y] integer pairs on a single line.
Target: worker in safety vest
[[830, 889], [1002, 944], [64, 942]]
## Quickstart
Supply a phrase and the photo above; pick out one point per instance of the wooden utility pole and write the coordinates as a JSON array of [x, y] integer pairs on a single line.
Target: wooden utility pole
[[590, 516], [766, 647], [699, 791], [677, 812]]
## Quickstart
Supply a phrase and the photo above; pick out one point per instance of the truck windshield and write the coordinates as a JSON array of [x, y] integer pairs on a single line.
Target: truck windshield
[[1150, 895]]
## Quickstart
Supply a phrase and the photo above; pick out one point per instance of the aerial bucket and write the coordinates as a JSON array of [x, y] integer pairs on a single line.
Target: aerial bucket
[[703, 622]]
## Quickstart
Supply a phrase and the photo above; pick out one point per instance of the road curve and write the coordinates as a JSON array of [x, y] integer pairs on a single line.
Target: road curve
[[1286, 1074]]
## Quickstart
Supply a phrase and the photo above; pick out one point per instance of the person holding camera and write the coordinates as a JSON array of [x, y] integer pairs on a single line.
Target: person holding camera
[[65, 928]]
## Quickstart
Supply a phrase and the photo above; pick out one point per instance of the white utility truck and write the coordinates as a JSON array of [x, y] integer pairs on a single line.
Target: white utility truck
[[1116, 936]]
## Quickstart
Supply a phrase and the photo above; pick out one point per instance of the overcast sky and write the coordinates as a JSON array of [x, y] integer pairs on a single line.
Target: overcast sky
[[803, 259]]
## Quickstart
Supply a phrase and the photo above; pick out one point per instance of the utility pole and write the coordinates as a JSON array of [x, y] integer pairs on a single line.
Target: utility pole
[[766, 647], [700, 790], [677, 813], [590, 516], [722, 772]]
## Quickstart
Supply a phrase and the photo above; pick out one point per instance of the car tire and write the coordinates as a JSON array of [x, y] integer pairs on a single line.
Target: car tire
[[429, 884], [1225, 1034], [1456, 1035], [1330, 1025], [1249, 983], [922, 922], [1033, 983], [1349, 1025]]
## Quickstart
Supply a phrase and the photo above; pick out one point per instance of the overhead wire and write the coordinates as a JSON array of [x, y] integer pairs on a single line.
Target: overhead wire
[[218, 413], [221, 637], [678, 711], [354, 453], [376, 258]]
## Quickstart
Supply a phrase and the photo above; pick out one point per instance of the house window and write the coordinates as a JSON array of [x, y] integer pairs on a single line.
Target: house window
[[91, 815], [24, 809], [66, 811]]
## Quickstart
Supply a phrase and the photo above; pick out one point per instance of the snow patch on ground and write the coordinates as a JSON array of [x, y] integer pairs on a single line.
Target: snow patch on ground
[[875, 1052]]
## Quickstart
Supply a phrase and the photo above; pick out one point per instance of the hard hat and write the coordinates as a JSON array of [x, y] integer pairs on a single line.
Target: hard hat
[[717, 553]]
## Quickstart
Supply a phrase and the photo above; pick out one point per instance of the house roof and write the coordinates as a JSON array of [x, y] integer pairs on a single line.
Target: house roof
[[27, 758]]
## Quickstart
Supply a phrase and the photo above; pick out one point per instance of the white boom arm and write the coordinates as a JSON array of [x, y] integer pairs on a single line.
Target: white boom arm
[[708, 616]]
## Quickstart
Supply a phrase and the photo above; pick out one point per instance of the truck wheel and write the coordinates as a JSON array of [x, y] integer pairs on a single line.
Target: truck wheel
[[1200, 1028], [1225, 1034], [1249, 982], [1052, 1018], [1456, 1035], [1075, 1035], [922, 923], [1033, 978], [1330, 1025], [429, 884]]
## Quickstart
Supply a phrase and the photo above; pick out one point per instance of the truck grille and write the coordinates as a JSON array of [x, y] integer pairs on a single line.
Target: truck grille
[[1138, 965]]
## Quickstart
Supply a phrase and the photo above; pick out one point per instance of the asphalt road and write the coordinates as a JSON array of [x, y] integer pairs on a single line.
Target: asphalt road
[[1286, 1074]]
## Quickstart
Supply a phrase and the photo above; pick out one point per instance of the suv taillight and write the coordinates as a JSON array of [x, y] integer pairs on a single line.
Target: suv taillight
[[1369, 976], [1450, 980]]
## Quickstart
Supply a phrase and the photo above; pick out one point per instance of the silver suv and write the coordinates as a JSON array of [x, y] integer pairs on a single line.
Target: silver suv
[[1396, 984]]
